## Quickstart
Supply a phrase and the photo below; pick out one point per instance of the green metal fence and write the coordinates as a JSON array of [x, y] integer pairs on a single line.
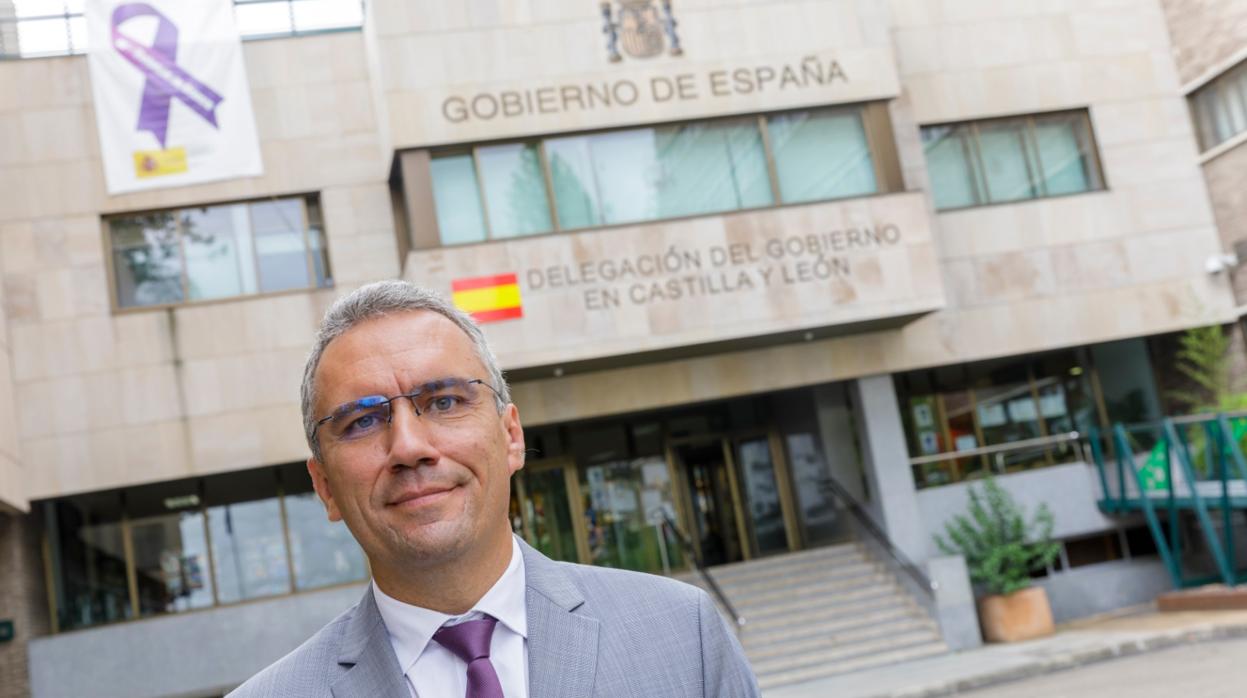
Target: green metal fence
[[1189, 470]]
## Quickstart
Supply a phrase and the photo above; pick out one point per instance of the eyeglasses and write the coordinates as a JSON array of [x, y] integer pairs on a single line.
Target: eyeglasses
[[443, 401]]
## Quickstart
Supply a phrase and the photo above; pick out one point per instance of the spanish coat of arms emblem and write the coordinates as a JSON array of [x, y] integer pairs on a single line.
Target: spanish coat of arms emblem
[[641, 28]]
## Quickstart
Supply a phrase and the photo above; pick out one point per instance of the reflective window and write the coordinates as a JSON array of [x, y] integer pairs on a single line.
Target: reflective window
[[225, 251], [1220, 107], [169, 537], [650, 173], [88, 556], [1014, 159], [623, 505], [248, 546], [323, 552], [821, 155], [1032, 403]]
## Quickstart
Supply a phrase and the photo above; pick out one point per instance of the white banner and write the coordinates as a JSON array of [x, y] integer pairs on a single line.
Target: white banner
[[171, 96]]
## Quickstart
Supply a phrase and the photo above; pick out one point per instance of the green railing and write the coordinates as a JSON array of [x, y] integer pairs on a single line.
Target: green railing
[[1188, 469]]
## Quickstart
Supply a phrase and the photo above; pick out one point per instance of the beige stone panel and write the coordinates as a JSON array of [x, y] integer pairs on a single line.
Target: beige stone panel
[[918, 51], [106, 459], [149, 394], [17, 247], [350, 211], [235, 383], [1014, 276], [13, 147], [49, 82], [1091, 266], [12, 478], [1168, 205], [20, 298], [10, 444], [246, 326], [1170, 255], [960, 11], [1147, 162], [247, 439], [1227, 187], [915, 14], [1105, 31], [66, 347], [56, 134], [1135, 121], [365, 257], [69, 404]]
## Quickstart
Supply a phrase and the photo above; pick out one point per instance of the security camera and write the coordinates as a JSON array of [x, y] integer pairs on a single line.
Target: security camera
[[1218, 263]]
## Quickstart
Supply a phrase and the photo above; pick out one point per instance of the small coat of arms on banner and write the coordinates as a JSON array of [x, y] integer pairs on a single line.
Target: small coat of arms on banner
[[642, 28]]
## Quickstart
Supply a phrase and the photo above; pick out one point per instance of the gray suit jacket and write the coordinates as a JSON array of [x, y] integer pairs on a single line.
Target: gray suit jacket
[[592, 631]]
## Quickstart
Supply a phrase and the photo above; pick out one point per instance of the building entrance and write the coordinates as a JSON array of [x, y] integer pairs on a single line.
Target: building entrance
[[710, 492]]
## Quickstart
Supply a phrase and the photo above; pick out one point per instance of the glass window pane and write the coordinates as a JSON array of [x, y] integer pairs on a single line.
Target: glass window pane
[[171, 562], [1063, 148], [313, 15], [821, 155], [653, 173], [950, 165], [623, 503], [263, 18], [281, 252], [43, 37], [248, 546], [147, 259], [219, 260], [457, 199], [1002, 147], [324, 553], [88, 560], [576, 185], [515, 190], [316, 240]]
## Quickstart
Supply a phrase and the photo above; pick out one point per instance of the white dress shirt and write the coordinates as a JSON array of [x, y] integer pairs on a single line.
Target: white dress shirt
[[432, 671]]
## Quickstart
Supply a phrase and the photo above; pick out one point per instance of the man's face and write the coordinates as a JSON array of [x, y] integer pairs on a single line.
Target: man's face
[[422, 491]]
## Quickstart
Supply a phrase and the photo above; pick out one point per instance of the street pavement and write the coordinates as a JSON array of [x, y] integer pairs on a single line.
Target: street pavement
[[1074, 646], [1206, 670]]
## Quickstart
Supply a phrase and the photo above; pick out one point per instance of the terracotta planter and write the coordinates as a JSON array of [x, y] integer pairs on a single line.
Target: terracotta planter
[[1022, 615]]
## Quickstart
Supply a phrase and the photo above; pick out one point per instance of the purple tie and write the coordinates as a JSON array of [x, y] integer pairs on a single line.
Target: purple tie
[[470, 642]]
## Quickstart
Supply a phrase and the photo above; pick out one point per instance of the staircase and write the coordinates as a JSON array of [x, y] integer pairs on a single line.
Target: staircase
[[822, 612]]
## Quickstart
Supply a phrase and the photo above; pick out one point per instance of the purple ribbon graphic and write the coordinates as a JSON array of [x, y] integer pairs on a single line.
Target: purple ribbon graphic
[[165, 80]]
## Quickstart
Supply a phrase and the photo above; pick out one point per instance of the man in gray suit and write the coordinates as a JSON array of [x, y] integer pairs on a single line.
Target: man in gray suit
[[414, 440]]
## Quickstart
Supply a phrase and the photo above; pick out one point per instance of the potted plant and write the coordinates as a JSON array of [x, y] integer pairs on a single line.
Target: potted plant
[[1001, 551]]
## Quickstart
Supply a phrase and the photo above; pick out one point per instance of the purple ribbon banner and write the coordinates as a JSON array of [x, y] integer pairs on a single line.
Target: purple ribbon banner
[[165, 79]]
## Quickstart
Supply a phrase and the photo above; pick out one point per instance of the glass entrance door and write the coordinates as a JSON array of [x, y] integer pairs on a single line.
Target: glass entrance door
[[710, 486], [763, 503], [543, 494]]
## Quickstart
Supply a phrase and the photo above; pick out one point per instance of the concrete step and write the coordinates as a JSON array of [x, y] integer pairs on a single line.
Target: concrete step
[[801, 625], [819, 558], [843, 591], [858, 663], [795, 578], [810, 640], [825, 654], [864, 602]]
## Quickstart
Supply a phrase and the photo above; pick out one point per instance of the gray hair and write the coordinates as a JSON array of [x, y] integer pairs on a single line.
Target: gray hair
[[385, 298]]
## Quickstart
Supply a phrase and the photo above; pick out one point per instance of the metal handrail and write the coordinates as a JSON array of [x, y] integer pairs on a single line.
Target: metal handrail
[[998, 448], [864, 520], [695, 555]]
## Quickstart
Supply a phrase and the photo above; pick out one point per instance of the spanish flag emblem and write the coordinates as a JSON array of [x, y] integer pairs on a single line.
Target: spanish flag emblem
[[488, 298]]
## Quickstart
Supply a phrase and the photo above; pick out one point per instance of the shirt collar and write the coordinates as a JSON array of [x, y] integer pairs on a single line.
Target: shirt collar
[[412, 627]]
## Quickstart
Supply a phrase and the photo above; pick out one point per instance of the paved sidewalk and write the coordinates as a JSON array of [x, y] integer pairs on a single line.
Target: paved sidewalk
[[1075, 644]]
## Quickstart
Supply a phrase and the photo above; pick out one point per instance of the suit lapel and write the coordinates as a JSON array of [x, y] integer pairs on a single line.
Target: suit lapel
[[562, 644], [374, 671]]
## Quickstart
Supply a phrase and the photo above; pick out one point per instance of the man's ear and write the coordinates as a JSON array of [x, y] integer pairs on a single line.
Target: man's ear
[[321, 482], [515, 438]]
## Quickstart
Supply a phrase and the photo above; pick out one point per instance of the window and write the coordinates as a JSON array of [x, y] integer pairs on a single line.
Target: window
[[1014, 159], [195, 254], [1220, 107], [189, 544], [1034, 402], [650, 173]]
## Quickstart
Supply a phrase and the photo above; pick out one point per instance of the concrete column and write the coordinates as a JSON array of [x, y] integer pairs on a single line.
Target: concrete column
[[954, 603], [23, 600], [894, 499]]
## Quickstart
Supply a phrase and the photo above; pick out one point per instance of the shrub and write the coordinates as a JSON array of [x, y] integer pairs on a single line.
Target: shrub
[[1000, 548]]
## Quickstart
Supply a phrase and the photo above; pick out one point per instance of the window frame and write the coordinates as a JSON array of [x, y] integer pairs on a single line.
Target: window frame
[[1231, 83], [305, 200], [1032, 160], [872, 116]]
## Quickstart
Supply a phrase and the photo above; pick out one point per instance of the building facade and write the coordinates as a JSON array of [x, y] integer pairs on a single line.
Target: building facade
[[724, 251]]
